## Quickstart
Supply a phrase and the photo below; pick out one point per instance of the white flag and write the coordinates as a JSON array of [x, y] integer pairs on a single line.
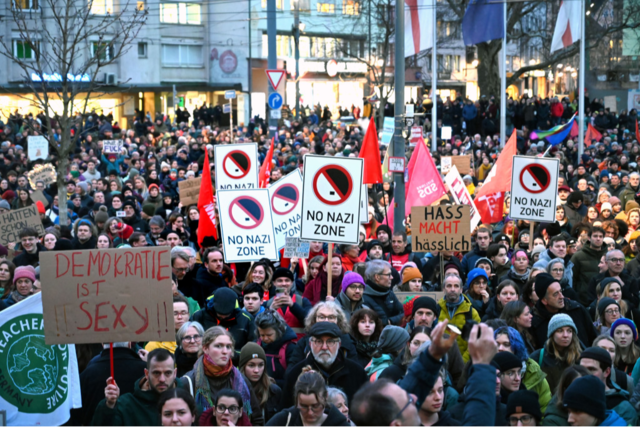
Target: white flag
[[39, 384], [418, 28], [567, 30]]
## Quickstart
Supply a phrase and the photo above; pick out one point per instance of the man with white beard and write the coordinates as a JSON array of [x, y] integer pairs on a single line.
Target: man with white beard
[[326, 359]]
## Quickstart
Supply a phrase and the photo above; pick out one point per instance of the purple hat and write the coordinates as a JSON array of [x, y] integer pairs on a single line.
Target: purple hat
[[621, 321], [350, 278]]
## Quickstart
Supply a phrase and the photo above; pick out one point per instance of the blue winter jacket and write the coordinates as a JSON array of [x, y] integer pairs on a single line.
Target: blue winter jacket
[[469, 112], [613, 419]]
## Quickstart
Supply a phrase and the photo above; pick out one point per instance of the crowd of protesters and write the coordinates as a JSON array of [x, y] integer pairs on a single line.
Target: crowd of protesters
[[530, 330]]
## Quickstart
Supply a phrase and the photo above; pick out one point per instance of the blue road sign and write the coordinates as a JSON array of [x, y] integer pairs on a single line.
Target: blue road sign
[[275, 101], [226, 108]]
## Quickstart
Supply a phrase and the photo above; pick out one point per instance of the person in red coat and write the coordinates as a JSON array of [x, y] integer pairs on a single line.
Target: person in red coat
[[316, 290]]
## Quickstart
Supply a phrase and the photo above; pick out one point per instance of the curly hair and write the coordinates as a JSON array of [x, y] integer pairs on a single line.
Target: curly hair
[[358, 316], [342, 322]]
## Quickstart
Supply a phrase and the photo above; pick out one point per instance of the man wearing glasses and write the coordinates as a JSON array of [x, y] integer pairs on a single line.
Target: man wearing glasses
[[615, 268], [378, 294], [326, 359]]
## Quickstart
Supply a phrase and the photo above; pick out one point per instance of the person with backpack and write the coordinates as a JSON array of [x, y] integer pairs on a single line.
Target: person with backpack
[[278, 341]]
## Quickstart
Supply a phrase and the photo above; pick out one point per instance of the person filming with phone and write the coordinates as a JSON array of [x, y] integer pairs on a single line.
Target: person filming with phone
[[291, 305]]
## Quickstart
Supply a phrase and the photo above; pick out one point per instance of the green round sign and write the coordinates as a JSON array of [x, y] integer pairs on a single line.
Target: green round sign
[[33, 375]]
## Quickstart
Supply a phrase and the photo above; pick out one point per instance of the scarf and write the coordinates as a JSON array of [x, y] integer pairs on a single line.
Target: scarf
[[205, 369], [366, 348], [15, 295], [452, 307]]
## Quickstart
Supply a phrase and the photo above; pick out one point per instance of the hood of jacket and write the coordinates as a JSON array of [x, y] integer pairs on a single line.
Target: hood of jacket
[[533, 375], [275, 346]]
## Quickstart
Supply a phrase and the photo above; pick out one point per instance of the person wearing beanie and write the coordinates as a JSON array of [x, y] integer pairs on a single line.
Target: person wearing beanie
[[383, 235], [252, 365], [551, 301], [148, 211], [374, 250], [425, 312], [287, 301], [351, 297], [511, 372], [411, 280], [585, 402], [477, 289], [585, 263], [625, 333], [608, 311], [616, 205], [561, 349], [575, 208], [23, 279], [392, 340], [101, 217], [155, 197], [523, 408], [4, 206], [4, 252], [222, 309]]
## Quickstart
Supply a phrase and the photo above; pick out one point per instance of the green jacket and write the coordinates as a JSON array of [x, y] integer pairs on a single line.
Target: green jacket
[[139, 408], [618, 400], [555, 416], [463, 312], [585, 266], [535, 380]]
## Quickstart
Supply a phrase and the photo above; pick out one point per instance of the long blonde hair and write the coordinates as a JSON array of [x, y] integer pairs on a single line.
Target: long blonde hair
[[571, 354]]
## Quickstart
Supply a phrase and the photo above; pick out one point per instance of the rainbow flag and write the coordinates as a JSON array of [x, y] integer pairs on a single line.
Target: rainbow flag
[[556, 134]]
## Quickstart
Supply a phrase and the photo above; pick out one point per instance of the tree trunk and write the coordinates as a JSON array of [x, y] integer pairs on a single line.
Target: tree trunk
[[62, 188], [489, 69]]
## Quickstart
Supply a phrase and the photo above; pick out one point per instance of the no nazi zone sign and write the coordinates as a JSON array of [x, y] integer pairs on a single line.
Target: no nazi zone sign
[[534, 188], [331, 199], [236, 166]]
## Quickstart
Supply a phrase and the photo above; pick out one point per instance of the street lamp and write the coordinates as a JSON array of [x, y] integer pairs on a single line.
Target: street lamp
[[297, 27]]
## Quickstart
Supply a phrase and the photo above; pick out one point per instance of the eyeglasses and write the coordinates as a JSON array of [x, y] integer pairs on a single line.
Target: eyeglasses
[[410, 402], [612, 311], [525, 419], [193, 338], [513, 374], [180, 270], [323, 318], [181, 313], [233, 409], [320, 343], [557, 270], [385, 274], [314, 408], [617, 260]]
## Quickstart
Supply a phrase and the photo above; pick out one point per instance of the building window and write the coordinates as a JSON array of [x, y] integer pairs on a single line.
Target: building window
[[140, 5], [181, 55], [142, 50], [25, 4], [103, 51], [304, 5], [279, 4], [326, 6], [180, 13], [351, 7], [101, 7], [23, 50]]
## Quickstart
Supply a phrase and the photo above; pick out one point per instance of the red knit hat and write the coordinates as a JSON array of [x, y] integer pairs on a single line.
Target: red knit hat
[[40, 207]]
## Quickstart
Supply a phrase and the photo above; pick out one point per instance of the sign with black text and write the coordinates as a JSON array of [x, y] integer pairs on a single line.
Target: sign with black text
[[246, 223], [440, 228], [286, 206], [112, 146], [236, 166], [534, 188], [38, 147], [331, 199]]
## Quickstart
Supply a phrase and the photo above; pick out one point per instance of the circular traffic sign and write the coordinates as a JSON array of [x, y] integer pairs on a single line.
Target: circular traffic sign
[[236, 164], [332, 185], [535, 178], [246, 212], [285, 199]]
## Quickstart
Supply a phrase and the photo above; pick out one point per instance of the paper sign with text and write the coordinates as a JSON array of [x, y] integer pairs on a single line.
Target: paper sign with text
[[112, 146], [296, 247], [286, 207], [46, 174], [440, 228], [461, 194], [107, 295], [463, 163], [12, 222], [38, 147], [189, 190]]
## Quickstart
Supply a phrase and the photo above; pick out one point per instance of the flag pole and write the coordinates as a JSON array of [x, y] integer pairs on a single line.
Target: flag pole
[[399, 112], [503, 80], [434, 81], [581, 77]]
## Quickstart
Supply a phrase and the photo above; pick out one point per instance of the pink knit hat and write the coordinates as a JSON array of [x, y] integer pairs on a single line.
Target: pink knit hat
[[27, 272]]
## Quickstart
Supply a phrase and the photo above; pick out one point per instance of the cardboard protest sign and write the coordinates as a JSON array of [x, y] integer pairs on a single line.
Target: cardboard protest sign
[[246, 224], [295, 247], [189, 190], [107, 295], [461, 194], [403, 296], [12, 222], [440, 228], [46, 174], [38, 147], [463, 163], [331, 199], [112, 146], [38, 196], [286, 206], [236, 166]]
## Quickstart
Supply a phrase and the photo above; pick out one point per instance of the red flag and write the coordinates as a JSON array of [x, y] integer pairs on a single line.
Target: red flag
[[206, 205], [490, 197], [425, 185], [574, 130], [637, 131], [265, 169], [591, 134], [370, 152]]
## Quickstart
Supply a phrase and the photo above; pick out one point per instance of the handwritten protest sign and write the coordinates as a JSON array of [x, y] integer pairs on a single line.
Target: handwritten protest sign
[[441, 228], [296, 247], [112, 146], [107, 295], [189, 191], [12, 222], [461, 194], [405, 296], [38, 147], [463, 163], [46, 174]]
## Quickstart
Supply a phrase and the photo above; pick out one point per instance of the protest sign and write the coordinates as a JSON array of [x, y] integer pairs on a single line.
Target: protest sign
[[534, 188], [405, 296], [331, 199], [38, 196], [112, 146], [40, 383], [44, 173], [440, 228], [388, 127], [364, 205], [295, 247], [463, 163], [107, 295], [38, 147], [461, 194], [189, 190], [236, 166], [286, 208], [12, 222], [246, 224]]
